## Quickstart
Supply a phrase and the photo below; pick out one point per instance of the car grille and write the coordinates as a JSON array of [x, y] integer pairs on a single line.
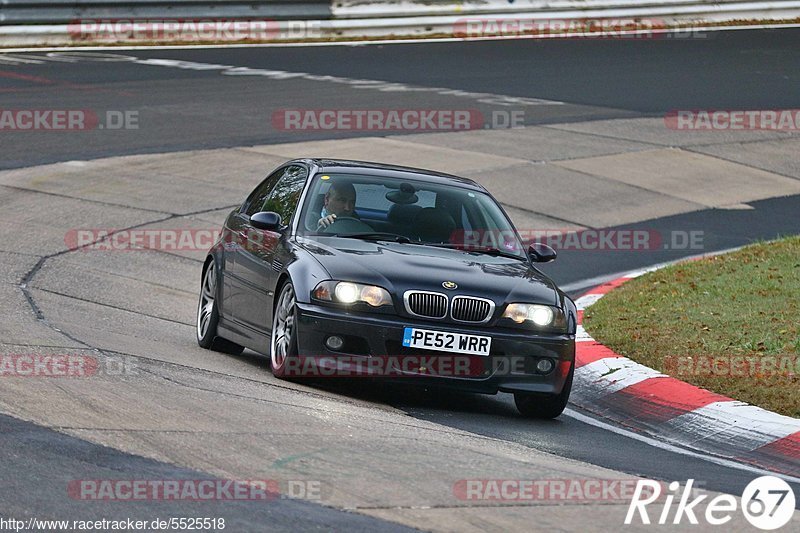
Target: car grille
[[462, 309], [469, 309], [426, 304]]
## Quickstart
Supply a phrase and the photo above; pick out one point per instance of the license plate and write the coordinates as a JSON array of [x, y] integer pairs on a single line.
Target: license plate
[[446, 342]]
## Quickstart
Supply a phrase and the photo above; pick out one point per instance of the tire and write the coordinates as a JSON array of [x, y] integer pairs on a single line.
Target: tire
[[544, 406], [283, 340], [208, 316]]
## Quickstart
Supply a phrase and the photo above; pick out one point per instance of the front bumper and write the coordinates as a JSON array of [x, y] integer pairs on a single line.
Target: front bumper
[[373, 348]]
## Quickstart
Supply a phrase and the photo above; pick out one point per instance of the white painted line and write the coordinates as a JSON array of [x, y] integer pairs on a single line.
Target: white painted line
[[355, 42], [582, 336], [675, 449], [587, 300], [13, 60], [354, 83], [733, 425], [642, 272], [41, 58], [611, 374]]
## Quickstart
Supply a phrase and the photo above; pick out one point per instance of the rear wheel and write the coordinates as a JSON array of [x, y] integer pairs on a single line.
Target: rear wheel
[[283, 343], [208, 316], [534, 405]]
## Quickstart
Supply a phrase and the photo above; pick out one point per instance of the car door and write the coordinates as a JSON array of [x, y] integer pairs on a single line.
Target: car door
[[264, 252], [236, 281]]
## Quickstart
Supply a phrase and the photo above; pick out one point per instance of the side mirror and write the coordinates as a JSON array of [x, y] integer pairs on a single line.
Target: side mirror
[[266, 220], [541, 253]]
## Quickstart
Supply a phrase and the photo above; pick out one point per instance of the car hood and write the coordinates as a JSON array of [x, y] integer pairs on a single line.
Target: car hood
[[399, 267]]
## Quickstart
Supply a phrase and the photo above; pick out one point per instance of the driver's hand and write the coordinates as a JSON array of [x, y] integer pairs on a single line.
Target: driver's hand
[[324, 222]]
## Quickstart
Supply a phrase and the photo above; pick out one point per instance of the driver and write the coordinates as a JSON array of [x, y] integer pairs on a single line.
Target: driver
[[340, 200]]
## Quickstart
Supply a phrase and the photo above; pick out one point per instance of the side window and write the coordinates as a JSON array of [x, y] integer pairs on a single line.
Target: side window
[[373, 197], [259, 196], [426, 199], [285, 195]]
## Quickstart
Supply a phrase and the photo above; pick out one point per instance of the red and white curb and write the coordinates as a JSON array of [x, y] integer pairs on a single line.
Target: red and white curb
[[637, 397]]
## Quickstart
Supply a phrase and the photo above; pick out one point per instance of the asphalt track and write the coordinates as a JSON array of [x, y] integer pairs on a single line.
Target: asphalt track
[[186, 109], [199, 109]]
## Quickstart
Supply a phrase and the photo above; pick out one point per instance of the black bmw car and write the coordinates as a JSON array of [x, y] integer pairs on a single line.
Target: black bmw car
[[344, 268]]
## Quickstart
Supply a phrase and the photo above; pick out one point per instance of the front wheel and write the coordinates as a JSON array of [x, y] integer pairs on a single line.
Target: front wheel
[[208, 316], [283, 343], [534, 405]]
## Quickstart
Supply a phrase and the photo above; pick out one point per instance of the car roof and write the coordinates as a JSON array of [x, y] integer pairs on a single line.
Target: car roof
[[389, 171]]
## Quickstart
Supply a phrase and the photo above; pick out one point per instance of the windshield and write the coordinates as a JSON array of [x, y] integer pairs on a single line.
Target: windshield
[[401, 210]]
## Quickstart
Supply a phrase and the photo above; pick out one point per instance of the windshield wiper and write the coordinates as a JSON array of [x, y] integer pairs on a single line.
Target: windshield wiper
[[486, 250], [376, 236], [495, 252]]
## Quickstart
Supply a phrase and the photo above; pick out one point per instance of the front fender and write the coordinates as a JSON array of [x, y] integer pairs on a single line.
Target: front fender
[[571, 310], [305, 272]]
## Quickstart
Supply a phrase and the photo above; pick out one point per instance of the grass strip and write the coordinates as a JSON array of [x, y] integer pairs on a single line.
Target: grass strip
[[729, 323]]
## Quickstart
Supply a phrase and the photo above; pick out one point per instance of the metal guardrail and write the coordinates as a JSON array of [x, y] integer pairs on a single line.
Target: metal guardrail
[[67, 11], [409, 8], [706, 10], [315, 20]]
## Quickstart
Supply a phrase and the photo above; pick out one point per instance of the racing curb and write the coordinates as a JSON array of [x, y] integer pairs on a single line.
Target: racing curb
[[616, 388]]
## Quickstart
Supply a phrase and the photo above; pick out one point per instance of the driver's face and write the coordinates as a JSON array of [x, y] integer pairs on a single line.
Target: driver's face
[[340, 204]]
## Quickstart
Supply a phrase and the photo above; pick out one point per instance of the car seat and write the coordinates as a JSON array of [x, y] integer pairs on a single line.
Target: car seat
[[433, 224]]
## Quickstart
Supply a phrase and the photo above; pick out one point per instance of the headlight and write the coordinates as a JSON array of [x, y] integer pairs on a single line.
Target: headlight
[[346, 292], [541, 315]]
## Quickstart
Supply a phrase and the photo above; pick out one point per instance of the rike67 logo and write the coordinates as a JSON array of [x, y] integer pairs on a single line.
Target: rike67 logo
[[767, 503]]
